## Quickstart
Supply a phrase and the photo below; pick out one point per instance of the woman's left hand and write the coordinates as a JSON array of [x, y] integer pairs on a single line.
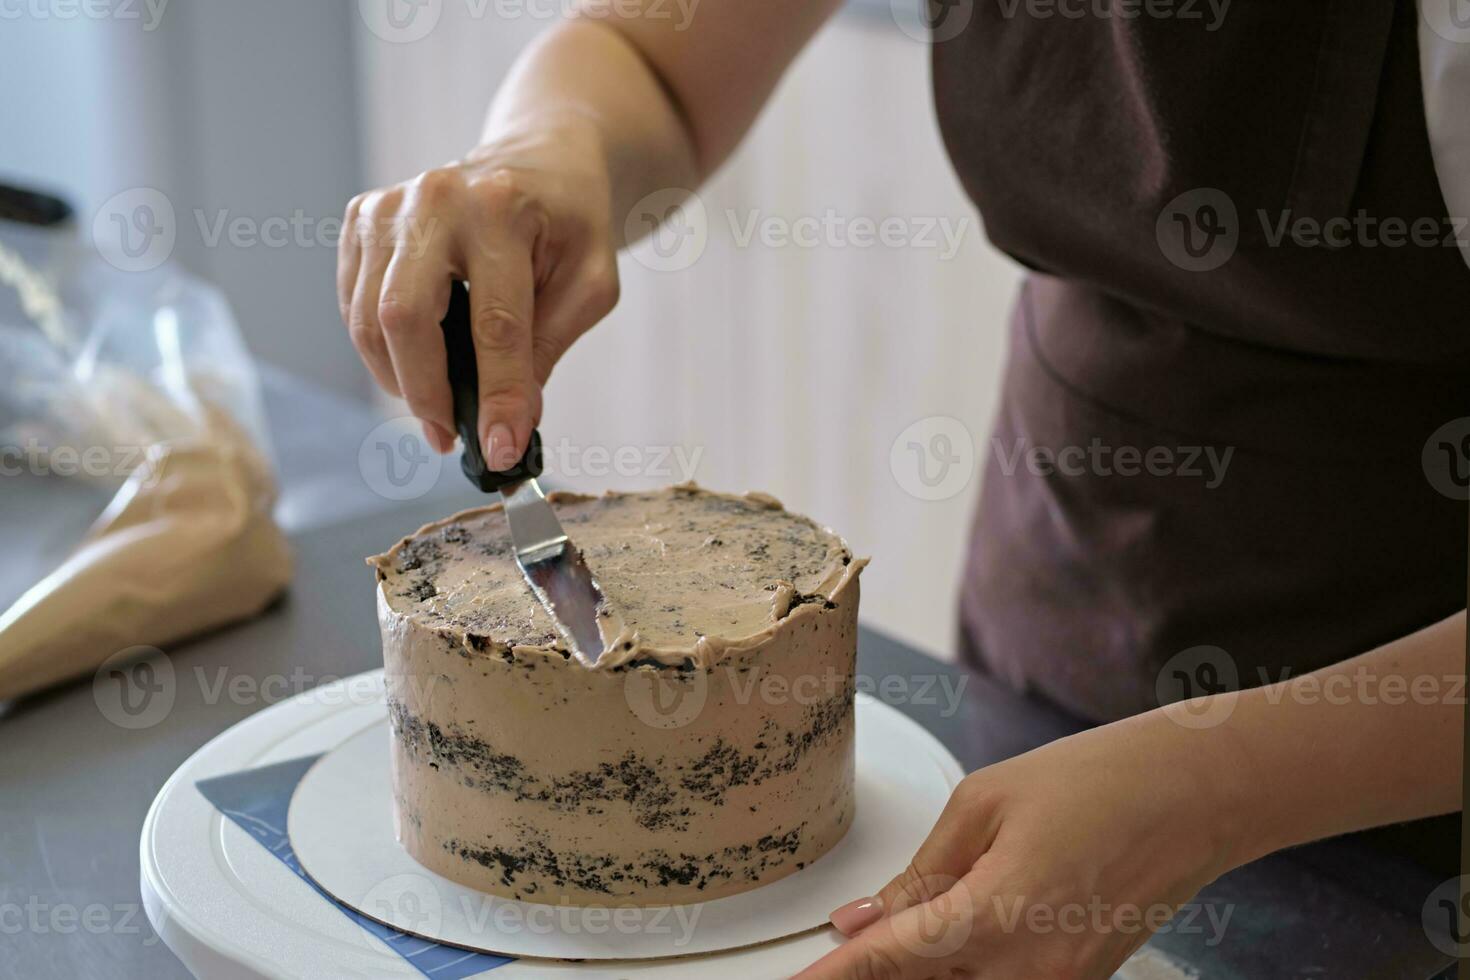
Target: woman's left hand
[[1058, 863]]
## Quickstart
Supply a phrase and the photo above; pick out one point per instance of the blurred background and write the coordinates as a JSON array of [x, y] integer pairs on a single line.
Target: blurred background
[[824, 322]]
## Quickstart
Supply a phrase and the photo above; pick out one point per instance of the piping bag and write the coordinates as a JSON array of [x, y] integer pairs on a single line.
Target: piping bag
[[158, 381]]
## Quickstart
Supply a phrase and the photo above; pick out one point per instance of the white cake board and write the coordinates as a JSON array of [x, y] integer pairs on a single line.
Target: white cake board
[[229, 909], [341, 827]]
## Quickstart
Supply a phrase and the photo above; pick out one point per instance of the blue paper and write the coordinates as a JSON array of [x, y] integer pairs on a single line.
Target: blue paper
[[256, 800]]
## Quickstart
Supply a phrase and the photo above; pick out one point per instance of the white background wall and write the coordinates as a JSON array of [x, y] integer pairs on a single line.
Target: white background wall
[[241, 110], [788, 369]]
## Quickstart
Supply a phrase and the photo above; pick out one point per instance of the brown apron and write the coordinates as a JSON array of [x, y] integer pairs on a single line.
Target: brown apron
[[1323, 370]]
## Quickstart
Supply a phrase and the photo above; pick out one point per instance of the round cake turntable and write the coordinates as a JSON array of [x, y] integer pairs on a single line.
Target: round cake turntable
[[249, 842]]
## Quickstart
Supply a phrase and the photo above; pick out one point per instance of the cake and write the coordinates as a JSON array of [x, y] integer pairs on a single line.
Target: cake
[[709, 751]]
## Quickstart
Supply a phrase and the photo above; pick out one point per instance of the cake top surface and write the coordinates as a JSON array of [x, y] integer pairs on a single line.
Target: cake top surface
[[686, 572]]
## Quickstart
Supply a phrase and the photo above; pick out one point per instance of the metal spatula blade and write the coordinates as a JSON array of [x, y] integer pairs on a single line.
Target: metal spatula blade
[[552, 565], [555, 569]]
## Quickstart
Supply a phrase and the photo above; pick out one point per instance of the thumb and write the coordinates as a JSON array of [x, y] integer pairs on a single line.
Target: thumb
[[959, 838], [576, 296]]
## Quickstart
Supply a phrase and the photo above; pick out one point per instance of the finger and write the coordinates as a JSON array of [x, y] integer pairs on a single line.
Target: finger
[[349, 255], [415, 294], [572, 301], [502, 300], [362, 320], [442, 441], [921, 942], [959, 838], [362, 325]]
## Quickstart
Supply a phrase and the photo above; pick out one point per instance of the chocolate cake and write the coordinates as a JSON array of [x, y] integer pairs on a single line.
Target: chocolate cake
[[709, 751]]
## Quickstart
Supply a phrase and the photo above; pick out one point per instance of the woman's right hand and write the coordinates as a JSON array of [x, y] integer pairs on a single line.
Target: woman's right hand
[[526, 220]]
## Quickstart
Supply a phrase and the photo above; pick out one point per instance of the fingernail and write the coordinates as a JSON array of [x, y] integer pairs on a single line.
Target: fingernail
[[438, 437], [857, 916], [500, 448]]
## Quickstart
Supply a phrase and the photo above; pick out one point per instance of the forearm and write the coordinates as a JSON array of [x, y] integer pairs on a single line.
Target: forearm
[[669, 93], [1374, 740], [586, 76]]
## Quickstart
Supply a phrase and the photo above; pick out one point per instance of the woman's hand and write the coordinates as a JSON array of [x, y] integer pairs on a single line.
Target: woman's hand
[[526, 220], [1058, 863], [598, 113]]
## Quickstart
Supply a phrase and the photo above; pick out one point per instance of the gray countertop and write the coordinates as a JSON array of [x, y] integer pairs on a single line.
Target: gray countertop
[[74, 787]]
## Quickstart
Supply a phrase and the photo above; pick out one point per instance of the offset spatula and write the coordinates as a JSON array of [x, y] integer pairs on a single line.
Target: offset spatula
[[551, 563]]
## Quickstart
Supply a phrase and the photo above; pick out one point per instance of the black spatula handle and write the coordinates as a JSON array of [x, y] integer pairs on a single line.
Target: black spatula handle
[[464, 382]]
